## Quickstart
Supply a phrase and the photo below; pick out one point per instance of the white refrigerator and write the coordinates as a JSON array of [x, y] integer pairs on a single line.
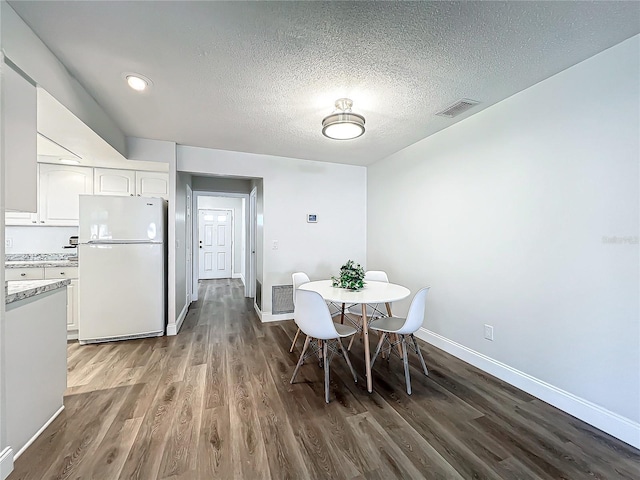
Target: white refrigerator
[[121, 268]]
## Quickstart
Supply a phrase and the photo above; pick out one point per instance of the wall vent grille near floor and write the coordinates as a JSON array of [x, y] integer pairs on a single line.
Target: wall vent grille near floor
[[281, 299], [457, 108]]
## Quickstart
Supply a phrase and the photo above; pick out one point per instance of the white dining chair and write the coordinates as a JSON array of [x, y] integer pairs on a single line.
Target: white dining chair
[[312, 316], [373, 310], [298, 278], [403, 327]]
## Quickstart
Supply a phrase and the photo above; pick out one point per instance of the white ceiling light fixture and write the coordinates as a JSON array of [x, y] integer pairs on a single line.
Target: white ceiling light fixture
[[138, 82], [343, 124]]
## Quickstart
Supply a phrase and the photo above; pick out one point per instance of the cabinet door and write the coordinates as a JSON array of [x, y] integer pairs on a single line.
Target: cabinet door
[[27, 273], [60, 186], [152, 184], [56, 273], [19, 132], [108, 181], [72, 308], [20, 218]]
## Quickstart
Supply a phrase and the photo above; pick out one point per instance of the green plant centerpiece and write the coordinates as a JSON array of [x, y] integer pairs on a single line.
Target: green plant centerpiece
[[351, 276]]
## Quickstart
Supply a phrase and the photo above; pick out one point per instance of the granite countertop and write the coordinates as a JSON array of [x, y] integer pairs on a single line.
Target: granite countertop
[[40, 263], [21, 289], [34, 260]]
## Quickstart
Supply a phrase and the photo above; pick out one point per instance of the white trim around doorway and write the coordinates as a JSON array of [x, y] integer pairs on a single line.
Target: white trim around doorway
[[247, 220]]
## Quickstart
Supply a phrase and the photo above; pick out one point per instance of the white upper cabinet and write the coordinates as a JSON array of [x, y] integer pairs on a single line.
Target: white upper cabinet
[[60, 186], [19, 132], [109, 181], [20, 218], [152, 184]]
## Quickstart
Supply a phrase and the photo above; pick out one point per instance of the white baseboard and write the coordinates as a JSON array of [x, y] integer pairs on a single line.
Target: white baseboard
[[72, 335], [174, 328], [616, 425], [270, 317], [236, 275], [37, 434], [255, 307], [6, 463]]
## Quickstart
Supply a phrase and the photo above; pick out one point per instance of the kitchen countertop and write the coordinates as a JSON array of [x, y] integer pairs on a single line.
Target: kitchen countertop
[[21, 289], [40, 263], [39, 260]]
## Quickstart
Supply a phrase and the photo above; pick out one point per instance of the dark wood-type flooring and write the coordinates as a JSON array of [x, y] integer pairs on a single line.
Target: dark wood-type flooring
[[215, 402]]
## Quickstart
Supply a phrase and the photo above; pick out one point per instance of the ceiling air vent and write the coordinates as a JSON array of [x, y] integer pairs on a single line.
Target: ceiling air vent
[[457, 108]]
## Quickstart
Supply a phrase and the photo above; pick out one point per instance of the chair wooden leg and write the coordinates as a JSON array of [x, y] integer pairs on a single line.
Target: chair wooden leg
[[295, 339], [300, 360], [346, 357], [382, 336], [320, 353], [351, 341], [424, 365], [405, 360], [326, 371]]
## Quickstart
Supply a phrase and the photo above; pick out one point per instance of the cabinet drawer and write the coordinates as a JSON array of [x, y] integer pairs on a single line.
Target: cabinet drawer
[[24, 274], [54, 273]]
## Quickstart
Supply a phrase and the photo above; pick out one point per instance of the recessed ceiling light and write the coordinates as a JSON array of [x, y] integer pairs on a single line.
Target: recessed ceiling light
[[68, 161], [138, 82]]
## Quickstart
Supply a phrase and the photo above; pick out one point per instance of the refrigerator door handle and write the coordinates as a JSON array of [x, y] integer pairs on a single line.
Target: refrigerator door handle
[[120, 242]]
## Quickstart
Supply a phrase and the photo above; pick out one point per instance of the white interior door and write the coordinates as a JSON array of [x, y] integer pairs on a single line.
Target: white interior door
[[214, 243]]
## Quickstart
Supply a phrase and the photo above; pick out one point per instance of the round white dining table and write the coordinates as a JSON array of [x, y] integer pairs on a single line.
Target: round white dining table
[[373, 292]]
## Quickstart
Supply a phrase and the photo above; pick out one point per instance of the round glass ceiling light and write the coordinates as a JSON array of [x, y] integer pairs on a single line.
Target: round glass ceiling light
[[138, 82], [343, 124]]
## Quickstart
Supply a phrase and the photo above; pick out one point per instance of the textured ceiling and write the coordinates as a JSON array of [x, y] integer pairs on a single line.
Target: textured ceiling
[[260, 76]]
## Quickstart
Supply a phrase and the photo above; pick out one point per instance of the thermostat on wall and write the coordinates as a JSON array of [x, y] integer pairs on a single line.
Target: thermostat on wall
[[312, 218]]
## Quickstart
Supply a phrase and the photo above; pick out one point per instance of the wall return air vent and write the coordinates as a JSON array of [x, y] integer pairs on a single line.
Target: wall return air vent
[[457, 108]]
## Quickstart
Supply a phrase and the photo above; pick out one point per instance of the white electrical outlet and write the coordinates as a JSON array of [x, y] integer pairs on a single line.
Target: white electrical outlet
[[8, 242], [275, 245], [488, 332]]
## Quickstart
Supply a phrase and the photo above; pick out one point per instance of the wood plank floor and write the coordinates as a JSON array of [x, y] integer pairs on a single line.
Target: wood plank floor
[[215, 402]]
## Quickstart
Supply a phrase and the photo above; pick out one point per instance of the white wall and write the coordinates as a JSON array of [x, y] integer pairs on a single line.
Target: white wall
[[507, 215], [292, 189], [217, 184], [27, 51], [147, 150], [206, 202], [40, 239], [182, 180], [6, 453], [258, 185]]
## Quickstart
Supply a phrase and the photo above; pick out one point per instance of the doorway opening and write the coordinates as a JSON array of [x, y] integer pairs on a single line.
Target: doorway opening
[[220, 232]]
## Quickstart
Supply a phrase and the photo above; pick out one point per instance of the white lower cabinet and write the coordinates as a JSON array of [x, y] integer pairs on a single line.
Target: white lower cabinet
[[72, 310], [54, 273], [34, 370], [24, 274]]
